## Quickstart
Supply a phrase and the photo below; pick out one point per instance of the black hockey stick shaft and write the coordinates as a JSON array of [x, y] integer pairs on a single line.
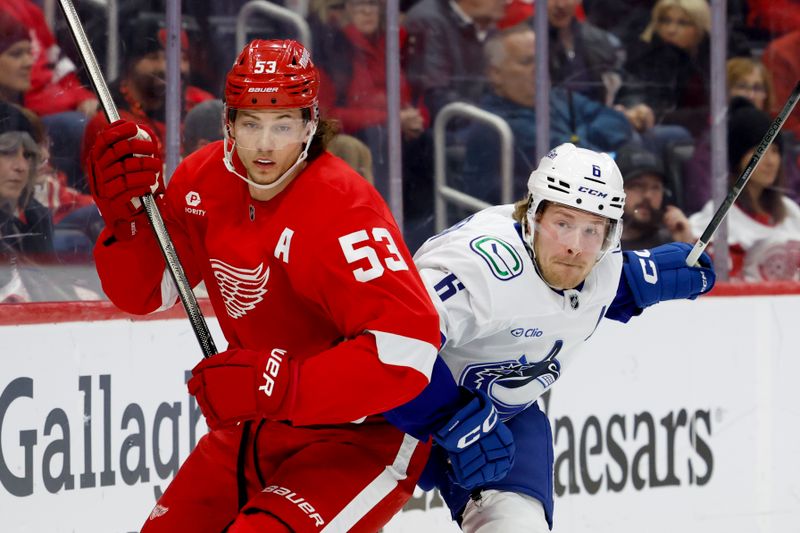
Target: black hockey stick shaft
[[742, 180], [188, 299]]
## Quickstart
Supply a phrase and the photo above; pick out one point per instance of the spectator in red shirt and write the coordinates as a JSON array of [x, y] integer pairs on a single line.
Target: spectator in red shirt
[[777, 17], [16, 60], [139, 91], [359, 103], [783, 62], [363, 102], [55, 92], [55, 87]]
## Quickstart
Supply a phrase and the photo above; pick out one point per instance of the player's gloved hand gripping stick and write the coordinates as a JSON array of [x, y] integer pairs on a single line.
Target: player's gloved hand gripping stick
[[117, 173], [239, 385], [126, 181], [661, 274], [124, 166], [760, 150], [480, 448]]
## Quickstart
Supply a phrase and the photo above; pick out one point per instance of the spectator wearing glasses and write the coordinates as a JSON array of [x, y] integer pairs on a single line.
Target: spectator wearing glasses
[[745, 78], [750, 79], [763, 224]]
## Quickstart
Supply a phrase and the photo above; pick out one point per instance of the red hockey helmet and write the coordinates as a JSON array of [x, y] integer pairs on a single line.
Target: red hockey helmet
[[275, 73]]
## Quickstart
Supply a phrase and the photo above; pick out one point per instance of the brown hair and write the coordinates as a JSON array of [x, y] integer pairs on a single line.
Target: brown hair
[[739, 67], [326, 129], [521, 209], [770, 200], [520, 213], [346, 20], [39, 132]]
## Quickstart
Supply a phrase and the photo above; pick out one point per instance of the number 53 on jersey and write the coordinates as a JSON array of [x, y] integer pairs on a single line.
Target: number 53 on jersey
[[361, 245]]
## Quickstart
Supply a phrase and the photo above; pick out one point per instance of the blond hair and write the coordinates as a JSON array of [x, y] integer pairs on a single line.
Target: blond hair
[[697, 10]]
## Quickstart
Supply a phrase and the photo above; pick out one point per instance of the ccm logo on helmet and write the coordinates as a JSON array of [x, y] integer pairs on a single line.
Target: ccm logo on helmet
[[475, 434], [592, 192]]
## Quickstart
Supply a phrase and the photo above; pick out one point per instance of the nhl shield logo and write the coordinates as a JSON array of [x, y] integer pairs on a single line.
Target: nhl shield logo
[[574, 301]]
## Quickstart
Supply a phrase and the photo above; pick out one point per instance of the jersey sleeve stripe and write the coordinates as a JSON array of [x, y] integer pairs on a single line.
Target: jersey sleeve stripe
[[404, 351]]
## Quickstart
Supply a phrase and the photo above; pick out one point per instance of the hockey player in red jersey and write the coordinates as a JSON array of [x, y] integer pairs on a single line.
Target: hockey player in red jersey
[[326, 318]]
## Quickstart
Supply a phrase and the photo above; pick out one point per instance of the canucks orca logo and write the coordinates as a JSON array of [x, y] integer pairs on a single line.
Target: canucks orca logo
[[514, 385], [503, 260]]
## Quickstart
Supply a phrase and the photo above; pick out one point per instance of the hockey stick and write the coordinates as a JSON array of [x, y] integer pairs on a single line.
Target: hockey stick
[[722, 211], [165, 243]]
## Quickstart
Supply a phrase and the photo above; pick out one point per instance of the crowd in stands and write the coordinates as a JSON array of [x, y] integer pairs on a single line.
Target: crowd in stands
[[630, 77]]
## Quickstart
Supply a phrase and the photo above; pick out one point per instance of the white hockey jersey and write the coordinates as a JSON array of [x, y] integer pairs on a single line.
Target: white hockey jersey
[[504, 330]]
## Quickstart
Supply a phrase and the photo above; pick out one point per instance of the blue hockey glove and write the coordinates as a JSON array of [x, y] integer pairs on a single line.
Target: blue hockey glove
[[479, 446], [661, 274]]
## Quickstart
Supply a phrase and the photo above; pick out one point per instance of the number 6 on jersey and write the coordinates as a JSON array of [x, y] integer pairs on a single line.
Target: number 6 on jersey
[[367, 251]]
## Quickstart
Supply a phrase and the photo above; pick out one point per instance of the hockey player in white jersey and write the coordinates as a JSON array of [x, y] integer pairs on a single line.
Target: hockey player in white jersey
[[518, 288]]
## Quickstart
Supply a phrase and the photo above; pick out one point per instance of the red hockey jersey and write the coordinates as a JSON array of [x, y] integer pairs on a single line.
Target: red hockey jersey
[[320, 272]]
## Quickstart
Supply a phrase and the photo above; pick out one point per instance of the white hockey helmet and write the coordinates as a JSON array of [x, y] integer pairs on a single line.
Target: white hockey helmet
[[579, 178]]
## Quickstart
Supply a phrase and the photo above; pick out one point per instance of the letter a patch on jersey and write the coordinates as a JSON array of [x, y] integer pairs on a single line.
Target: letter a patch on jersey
[[503, 260], [241, 288], [284, 242]]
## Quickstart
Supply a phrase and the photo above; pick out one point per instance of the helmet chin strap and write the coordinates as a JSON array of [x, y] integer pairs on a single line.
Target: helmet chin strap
[[227, 158]]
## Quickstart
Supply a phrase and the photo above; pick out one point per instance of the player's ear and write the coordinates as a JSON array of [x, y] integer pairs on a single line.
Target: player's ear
[[228, 125]]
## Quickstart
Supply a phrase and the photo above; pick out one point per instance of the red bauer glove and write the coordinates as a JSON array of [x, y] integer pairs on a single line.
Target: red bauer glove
[[124, 165], [239, 384]]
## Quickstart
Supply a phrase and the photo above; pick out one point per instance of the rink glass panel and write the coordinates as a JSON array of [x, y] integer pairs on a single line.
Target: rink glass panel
[[347, 39]]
